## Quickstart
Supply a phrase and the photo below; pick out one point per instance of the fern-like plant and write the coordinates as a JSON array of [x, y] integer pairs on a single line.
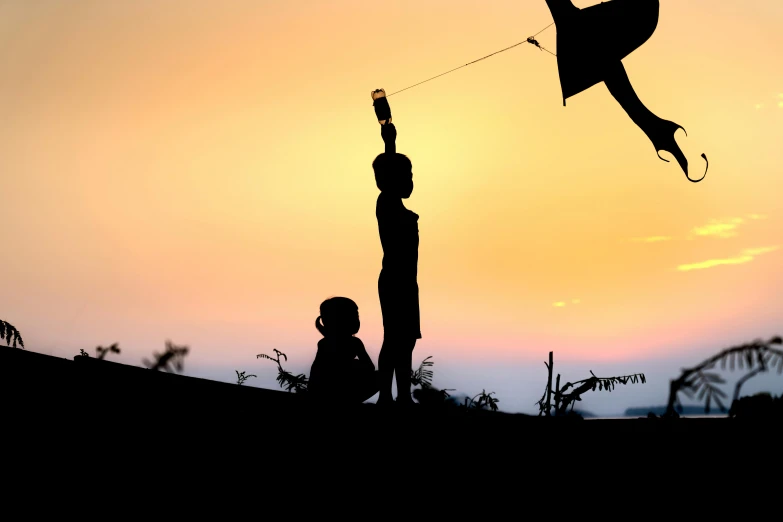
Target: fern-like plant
[[426, 394], [101, 351], [430, 396], [423, 375], [696, 382], [563, 400], [482, 401], [173, 359], [9, 334], [241, 377], [287, 380]]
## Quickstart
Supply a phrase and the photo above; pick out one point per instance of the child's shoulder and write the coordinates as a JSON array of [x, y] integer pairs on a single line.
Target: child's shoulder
[[357, 346], [387, 198], [328, 342], [387, 204]]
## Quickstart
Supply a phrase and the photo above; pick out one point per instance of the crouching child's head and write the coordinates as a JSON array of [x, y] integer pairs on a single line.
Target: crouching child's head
[[339, 318]]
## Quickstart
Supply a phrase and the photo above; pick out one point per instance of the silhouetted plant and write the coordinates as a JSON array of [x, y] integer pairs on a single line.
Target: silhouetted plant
[[745, 379], [9, 333], [172, 358], [101, 351], [241, 377], [82, 353], [287, 380], [423, 375], [757, 355], [430, 396], [482, 401], [426, 394], [760, 405], [563, 400]]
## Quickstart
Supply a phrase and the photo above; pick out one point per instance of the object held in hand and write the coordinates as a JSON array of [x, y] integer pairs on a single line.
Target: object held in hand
[[381, 104]]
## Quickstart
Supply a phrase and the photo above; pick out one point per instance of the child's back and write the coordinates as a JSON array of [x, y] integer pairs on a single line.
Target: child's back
[[333, 363], [342, 370]]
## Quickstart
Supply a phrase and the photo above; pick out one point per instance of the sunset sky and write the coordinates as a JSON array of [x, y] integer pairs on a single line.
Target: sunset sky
[[200, 171]]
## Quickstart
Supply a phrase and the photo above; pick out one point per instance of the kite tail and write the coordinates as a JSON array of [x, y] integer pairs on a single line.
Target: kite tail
[[659, 131], [662, 136]]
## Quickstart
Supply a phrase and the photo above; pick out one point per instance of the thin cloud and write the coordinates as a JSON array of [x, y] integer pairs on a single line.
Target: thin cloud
[[758, 251], [715, 262], [746, 256], [722, 228]]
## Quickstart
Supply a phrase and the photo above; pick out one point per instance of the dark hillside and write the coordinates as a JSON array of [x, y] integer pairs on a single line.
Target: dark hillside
[[95, 408]]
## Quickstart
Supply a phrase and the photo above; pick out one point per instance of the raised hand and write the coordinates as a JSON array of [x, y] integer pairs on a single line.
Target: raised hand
[[388, 132], [389, 135]]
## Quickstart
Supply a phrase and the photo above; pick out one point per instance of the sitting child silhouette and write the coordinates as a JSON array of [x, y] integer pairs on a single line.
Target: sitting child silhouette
[[342, 372]]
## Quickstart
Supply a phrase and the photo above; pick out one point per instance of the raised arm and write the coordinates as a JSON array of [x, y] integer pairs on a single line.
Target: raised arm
[[389, 135]]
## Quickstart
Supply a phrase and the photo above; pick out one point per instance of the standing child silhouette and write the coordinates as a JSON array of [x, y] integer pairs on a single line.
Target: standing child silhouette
[[342, 372], [398, 289]]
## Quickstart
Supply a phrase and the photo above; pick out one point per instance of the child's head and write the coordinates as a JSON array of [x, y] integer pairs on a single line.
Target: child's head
[[339, 316], [394, 174]]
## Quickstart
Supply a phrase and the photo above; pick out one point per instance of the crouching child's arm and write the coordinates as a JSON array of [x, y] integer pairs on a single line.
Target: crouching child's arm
[[364, 357]]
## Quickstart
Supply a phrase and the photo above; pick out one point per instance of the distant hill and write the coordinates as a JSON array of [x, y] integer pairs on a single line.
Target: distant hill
[[660, 410]]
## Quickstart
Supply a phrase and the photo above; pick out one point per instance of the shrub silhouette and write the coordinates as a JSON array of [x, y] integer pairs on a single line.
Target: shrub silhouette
[[287, 380], [482, 401], [430, 396], [9, 333], [760, 405], [422, 376], [758, 356], [563, 400], [426, 394], [170, 360], [241, 377], [101, 351]]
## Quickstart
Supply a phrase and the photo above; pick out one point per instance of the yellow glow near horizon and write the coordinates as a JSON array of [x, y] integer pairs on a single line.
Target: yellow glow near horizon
[[201, 172]]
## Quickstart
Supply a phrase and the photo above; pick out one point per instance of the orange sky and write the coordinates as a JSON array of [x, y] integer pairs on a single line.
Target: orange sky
[[200, 171]]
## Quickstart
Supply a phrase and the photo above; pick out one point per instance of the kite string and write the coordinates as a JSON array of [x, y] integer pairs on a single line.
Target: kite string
[[544, 29], [529, 40]]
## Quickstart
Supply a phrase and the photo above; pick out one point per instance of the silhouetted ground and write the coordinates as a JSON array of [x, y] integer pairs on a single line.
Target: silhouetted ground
[[98, 411]]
